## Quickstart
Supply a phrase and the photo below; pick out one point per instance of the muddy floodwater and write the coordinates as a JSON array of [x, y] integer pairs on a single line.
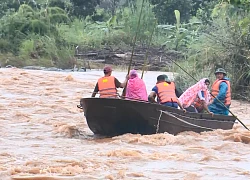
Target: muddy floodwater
[[43, 135]]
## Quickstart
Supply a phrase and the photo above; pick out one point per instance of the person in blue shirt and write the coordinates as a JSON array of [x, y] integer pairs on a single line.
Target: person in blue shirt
[[222, 91], [165, 92]]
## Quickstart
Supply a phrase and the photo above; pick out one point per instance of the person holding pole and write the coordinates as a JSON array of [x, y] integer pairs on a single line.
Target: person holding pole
[[221, 93]]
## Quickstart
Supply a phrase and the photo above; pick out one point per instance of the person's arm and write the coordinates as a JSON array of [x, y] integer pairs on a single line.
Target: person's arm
[[121, 85], [95, 90], [151, 97], [153, 94], [204, 104], [201, 95], [206, 108], [180, 105]]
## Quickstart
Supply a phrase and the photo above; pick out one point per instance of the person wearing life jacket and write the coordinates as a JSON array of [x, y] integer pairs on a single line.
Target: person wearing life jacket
[[178, 90], [222, 91], [107, 85], [202, 100], [165, 93], [193, 96]]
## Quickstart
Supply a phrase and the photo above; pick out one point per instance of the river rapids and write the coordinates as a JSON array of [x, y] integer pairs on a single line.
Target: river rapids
[[44, 136]]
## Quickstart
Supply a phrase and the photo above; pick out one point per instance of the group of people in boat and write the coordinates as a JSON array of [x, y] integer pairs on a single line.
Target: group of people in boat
[[196, 98]]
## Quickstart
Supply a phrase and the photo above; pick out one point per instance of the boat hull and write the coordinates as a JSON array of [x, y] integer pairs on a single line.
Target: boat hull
[[111, 117]]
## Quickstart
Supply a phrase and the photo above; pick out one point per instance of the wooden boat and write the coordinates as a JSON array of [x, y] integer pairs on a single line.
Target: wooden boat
[[111, 117]]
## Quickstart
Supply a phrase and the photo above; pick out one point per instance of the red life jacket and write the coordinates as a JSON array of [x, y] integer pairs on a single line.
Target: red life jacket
[[216, 89], [106, 86], [166, 92]]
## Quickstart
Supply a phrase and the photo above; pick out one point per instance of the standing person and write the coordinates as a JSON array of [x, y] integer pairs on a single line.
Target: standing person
[[165, 92], [221, 90], [136, 88], [107, 85], [188, 98]]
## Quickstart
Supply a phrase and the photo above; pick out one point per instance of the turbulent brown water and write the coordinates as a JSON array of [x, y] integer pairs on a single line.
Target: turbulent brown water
[[43, 135]]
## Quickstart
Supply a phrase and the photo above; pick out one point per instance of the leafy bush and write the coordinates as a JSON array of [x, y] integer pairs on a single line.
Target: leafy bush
[[225, 43]]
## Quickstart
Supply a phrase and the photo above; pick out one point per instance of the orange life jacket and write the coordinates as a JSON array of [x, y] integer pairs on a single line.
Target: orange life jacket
[[216, 89], [166, 92], [198, 104], [106, 86]]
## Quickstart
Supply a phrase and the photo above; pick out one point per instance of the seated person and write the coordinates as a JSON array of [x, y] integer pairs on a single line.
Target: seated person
[[178, 91], [136, 88], [202, 100], [165, 92], [189, 99]]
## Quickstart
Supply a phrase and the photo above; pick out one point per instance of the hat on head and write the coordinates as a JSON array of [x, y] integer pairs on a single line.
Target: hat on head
[[107, 69], [220, 70], [161, 78], [166, 78]]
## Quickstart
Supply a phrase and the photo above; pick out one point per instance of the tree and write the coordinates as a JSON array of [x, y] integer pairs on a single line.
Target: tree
[[225, 43], [205, 11], [163, 10], [7, 5], [110, 5], [26, 21], [244, 4], [187, 8], [63, 4], [200, 4], [83, 8]]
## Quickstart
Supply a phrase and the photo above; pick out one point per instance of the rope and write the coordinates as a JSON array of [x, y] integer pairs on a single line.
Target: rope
[[185, 121], [191, 118], [137, 30], [158, 124], [146, 57], [133, 49]]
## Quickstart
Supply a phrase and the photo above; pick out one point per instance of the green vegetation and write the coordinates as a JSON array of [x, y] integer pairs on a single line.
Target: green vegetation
[[209, 33]]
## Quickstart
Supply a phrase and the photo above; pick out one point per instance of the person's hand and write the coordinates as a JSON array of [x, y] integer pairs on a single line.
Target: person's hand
[[127, 77], [212, 114]]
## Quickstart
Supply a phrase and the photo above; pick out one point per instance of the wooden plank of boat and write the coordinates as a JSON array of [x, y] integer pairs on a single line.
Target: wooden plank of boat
[[111, 117]]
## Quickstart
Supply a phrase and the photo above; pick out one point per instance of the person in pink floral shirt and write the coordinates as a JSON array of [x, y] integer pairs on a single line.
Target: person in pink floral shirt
[[188, 98]]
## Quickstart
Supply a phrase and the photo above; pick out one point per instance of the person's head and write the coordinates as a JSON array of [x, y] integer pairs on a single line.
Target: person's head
[[220, 73], [107, 70], [207, 82], [166, 78], [133, 74], [160, 78]]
